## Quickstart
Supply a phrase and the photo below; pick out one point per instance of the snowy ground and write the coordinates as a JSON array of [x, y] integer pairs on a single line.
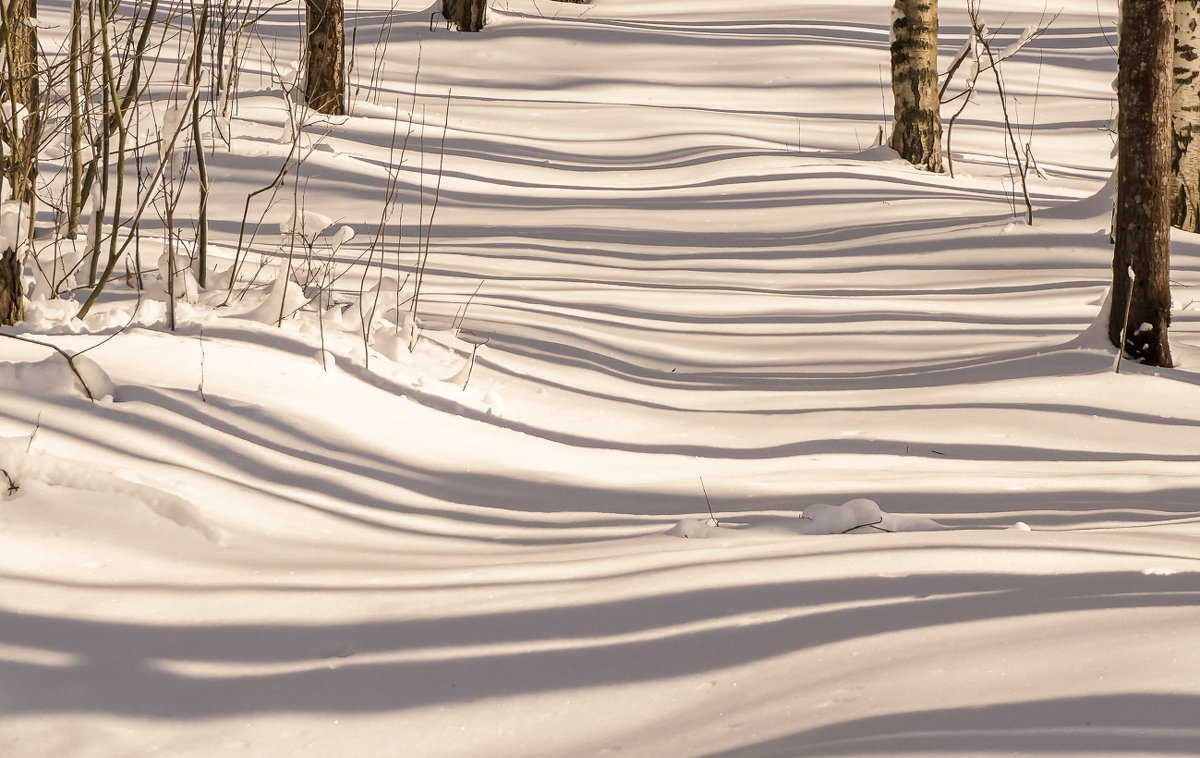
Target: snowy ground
[[683, 275]]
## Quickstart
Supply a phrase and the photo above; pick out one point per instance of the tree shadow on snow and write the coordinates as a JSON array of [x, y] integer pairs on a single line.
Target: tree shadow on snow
[[1142, 723], [192, 672]]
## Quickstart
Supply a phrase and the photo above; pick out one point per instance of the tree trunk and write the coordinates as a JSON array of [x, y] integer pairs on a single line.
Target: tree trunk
[[20, 81], [19, 135], [19, 86], [917, 129], [12, 306], [74, 197], [201, 27], [467, 15], [1141, 262], [325, 82], [1185, 118]]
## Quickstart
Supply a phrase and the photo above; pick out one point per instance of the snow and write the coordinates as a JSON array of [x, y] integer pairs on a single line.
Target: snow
[[14, 218], [55, 375], [753, 441], [307, 224]]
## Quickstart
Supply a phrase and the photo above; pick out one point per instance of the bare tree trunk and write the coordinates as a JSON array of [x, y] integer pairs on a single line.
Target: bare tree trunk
[[325, 82], [20, 88], [1185, 118], [1141, 262], [201, 27], [75, 96], [19, 132], [917, 131], [12, 307], [467, 15]]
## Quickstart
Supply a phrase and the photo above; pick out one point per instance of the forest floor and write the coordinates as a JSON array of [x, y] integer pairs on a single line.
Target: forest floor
[[670, 299]]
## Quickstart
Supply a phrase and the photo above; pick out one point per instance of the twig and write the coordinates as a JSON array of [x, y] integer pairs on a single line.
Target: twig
[[708, 503], [1125, 322], [873, 525], [204, 399], [12, 485], [37, 425]]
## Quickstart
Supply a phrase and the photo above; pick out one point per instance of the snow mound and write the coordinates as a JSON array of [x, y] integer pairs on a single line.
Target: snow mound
[[51, 479], [859, 513], [53, 375], [694, 528], [283, 300], [856, 516], [305, 224]]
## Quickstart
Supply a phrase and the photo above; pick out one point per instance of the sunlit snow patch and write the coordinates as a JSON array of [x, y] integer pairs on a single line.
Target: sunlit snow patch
[[66, 486]]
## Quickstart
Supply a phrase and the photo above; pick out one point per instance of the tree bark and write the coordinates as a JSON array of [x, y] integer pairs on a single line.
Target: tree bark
[[325, 82], [12, 305], [1185, 118], [20, 42], [917, 128], [19, 135], [467, 15], [20, 85], [1141, 261]]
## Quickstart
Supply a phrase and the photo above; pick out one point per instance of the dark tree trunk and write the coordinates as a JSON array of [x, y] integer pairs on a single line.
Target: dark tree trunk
[[467, 15], [1142, 228], [21, 82], [19, 136], [20, 85], [12, 307], [325, 82], [917, 129]]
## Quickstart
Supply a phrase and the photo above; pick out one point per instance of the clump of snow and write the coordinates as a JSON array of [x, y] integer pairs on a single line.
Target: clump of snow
[[53, 274], [53, 375], [856, 516], [879, 153], [1021, 41], [393, 343], [184, 284], [693, 528], [340, 237], [283, 299], [51, 316], [852, 515], [307, 224], [13, 218]]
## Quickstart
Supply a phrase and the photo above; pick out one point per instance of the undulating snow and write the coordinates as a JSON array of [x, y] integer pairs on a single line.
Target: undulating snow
[[712, 429]]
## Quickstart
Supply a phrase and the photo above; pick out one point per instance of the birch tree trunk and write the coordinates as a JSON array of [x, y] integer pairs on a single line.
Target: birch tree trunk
[[19, 133], [1185, 118], [467, 15], [325, 81], [917, 128], [1141, 301]]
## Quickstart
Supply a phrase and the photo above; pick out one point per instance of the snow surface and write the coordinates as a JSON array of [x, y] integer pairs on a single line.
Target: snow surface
[[695, 304]]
